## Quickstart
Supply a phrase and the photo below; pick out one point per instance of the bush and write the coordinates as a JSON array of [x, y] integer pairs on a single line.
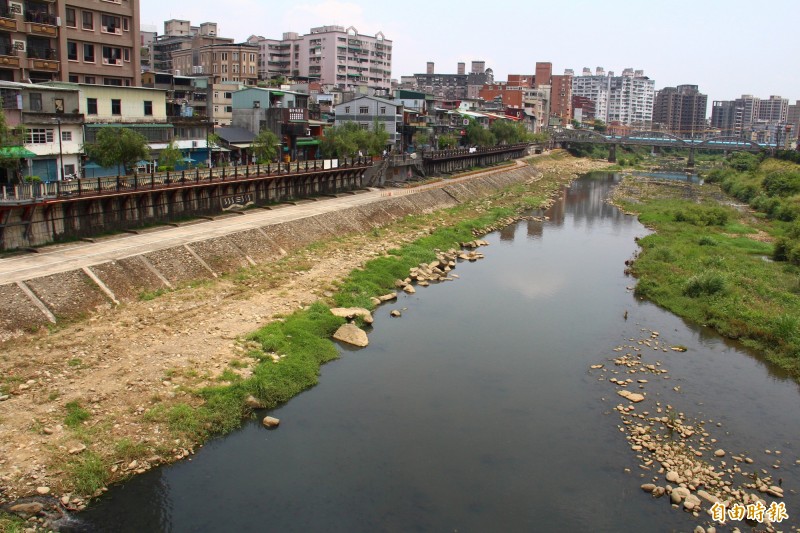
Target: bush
[[782, 183], [705, 284], [706, 241], [703, 215]]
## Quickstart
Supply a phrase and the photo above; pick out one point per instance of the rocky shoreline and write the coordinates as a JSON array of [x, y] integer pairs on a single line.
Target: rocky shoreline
[[682, 459]]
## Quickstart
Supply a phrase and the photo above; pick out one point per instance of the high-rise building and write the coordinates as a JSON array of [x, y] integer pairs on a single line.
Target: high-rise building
[[728, 117], [680, 110], [774, 110], [180, 35], [544, 71], [561, 98], [331, 55], [70, 40], [595, 88], [222, 63], [630, 99]]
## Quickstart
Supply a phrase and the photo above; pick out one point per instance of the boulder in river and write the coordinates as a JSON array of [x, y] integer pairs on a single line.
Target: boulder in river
[[351, 334]]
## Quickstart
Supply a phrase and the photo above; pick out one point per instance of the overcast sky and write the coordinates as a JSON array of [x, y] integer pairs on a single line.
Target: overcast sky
[[727, 47]]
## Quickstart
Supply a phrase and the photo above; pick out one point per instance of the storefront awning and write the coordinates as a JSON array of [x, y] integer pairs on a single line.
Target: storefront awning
[[18, 152], [307, 142]]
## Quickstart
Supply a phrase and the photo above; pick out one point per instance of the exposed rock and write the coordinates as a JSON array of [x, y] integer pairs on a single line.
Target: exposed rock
[[29, 509], [352, 312], [42, 490], [648, 487], [77, 449], [396, 313], [631, 396], [388, 297], [720, 453], [351, 334], [254, 403], [271, 422], [409, 289]]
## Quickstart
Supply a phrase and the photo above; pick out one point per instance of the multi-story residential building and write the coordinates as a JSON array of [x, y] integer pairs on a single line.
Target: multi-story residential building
[[53, 127], [181, 35], [369, 110], [536, 106], [583, 109], [630, 99], [221, 108], [561, 98], [82, 41], [141, 109], [451, 86], [681, 111], [774, 110], [595, 88], [222, 63], [793, 118], [727, 117], [331, 55]]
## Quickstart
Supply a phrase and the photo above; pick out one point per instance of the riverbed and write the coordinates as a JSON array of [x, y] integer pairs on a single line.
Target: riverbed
[[477, 410]]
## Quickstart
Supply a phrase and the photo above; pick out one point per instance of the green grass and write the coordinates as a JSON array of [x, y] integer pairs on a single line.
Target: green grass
[[702, 265], [88, 473], [75, 415], [10, 523], [147, 296]]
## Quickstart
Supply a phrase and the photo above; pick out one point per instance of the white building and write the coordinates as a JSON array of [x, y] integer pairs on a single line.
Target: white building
[[627, 99], [368, 110], [331, 55]]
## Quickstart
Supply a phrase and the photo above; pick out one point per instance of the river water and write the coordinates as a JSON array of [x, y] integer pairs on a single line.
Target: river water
[[477, 411]]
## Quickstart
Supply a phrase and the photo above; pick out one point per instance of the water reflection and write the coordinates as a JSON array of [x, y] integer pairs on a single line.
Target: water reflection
[[475, 410]]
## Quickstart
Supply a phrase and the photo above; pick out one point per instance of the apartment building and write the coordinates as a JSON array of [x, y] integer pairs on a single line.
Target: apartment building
[[181, 35], [53, 127], [331, 55], [451, 86], [728, 117], [222, 63], [81, 41], [681, 111], [561, 98], [627, 99], [595, 88]]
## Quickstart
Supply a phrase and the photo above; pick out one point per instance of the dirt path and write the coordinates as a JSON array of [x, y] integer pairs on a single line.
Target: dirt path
[[118, 364]]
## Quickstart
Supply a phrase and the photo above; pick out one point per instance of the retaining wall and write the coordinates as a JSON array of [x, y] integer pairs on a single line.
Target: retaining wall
[[75, 294]]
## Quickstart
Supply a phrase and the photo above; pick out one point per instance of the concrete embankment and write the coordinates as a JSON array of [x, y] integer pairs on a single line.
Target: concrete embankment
[[79, 292]]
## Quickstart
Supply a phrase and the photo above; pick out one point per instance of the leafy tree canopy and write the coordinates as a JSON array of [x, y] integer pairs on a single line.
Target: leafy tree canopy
[[122, 147], [265, 146]]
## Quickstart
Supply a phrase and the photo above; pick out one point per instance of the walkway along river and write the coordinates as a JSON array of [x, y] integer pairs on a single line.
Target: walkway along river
[[477, 409]]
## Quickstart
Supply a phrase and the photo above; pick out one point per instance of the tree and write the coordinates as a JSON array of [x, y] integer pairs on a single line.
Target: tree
[[122, 147], [599, 126], [265, 146], [170, 156], [507, 132], [421, 138], [348, 139], [10, 138], [477, 135], [447, 141]]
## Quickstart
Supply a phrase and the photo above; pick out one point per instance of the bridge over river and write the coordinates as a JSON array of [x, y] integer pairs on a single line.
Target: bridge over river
[[656, 140]]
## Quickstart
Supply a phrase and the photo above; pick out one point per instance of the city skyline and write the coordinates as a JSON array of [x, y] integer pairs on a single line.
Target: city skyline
[[690, 45]]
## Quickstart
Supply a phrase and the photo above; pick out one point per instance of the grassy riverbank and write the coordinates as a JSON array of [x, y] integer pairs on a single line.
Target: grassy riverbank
[[712, 264]]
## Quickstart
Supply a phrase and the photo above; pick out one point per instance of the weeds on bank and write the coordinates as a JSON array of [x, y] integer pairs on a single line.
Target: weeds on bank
[[10, 523], [76, 415], [88, 473], [702, 265]]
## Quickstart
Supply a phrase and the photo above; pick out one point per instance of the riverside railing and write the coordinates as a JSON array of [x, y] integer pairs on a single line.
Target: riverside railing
[[76, 188]]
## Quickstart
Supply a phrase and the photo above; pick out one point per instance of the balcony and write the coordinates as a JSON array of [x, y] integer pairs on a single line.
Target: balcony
[[112, 62], [8, 20], [8, 56], [43, 59]]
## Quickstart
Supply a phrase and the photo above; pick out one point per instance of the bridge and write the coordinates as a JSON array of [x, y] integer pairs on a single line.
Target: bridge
[[655, 139]]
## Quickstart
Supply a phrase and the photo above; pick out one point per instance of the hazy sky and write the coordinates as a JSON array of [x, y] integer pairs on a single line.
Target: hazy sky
[[727, 47]]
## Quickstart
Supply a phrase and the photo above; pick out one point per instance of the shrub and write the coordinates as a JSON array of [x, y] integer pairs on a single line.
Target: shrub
[[703, 215], [705, 284], [782, 184], [706, 241]]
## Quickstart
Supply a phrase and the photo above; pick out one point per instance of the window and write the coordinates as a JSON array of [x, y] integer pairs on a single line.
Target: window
[[228, 109], [116, 82], [91, 106], [235, 56], [126, 55], [125, 24], [89, 79], [39, 136], [148, 108], [66, 136], [72, 51], [383, 110], [363, 110], [88, 20], [73, 78], [228, 95], [111, 24], [71, 20], [116, 106], [224, 56], [69, 169], [347, 109], [36, 101], [88, 54], [112, 55]]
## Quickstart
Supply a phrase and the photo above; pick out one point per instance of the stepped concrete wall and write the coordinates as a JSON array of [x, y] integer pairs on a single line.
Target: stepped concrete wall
[[79, 293]]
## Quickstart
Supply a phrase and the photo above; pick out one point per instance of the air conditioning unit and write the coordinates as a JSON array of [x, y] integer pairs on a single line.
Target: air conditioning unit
[[19, 45], [15, 8]]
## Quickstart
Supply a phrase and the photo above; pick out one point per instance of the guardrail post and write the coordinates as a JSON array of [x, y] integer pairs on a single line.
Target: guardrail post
[[118, 184], [236, 171], [247, 171]]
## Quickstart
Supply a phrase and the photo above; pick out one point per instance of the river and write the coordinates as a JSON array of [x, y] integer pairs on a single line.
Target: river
[[477, 411]]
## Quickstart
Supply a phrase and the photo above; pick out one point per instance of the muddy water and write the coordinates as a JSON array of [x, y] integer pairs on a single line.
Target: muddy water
[[476, 411]]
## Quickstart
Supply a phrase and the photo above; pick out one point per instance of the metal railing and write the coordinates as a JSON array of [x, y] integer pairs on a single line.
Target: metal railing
[[461, 152], [87, 187]]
